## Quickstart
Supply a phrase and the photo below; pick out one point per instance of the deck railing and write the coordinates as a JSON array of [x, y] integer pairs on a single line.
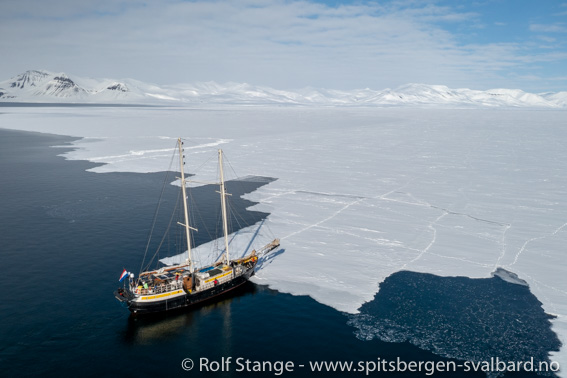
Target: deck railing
[[162, 288], [176, 285], [221, 280]]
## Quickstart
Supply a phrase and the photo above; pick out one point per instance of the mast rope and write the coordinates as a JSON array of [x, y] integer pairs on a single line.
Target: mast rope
[[234, 213], [166, 234], [165, 180], [233, 216]]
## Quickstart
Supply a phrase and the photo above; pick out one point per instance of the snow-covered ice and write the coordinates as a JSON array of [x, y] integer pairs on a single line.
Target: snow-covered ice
[[365, 192]]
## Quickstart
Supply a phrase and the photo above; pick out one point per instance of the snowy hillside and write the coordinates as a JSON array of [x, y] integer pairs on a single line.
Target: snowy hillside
[[44, 86]]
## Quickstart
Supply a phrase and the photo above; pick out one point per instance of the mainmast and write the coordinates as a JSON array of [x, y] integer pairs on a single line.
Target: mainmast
[[184, 193], [223, 203]]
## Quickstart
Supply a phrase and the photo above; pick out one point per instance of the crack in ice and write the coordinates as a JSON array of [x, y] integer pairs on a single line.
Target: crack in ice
[[324, 220], [534, 239], [434, 239], [503, 246]]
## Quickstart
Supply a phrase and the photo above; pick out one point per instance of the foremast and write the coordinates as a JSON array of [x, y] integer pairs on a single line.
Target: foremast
[[185, 209], [223, 194]]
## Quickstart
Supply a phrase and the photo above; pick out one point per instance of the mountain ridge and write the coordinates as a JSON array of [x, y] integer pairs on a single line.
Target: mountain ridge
[[44, 86]]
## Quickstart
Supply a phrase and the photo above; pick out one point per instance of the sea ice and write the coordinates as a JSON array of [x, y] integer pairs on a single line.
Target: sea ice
[[365, 192]]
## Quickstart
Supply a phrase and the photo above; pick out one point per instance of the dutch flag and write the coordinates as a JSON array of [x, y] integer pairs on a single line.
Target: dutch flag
[[123, 275]]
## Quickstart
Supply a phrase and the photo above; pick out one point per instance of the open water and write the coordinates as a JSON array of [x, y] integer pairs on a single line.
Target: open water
[[66, 235]]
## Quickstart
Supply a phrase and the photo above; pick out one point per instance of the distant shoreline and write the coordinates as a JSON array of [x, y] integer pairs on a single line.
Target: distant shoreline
[[49, 139], [72, 105]]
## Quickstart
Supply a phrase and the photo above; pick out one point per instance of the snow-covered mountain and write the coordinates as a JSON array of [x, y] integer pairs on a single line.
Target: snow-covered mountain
[[44, 86]]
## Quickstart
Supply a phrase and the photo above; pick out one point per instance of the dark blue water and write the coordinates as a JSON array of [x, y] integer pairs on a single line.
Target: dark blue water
[[66, 234], [459, 317]]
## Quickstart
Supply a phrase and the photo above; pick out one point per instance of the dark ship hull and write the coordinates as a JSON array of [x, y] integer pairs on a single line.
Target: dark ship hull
[[183, 301]]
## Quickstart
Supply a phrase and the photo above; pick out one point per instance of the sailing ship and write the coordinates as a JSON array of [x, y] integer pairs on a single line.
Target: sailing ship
[[184, 285]]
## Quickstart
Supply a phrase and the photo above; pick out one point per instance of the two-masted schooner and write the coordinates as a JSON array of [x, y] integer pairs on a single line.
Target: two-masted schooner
[[184, 285]]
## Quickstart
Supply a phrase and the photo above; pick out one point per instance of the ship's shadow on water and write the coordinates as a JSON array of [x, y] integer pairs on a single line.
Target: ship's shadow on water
[[140, 330], [458, 317]]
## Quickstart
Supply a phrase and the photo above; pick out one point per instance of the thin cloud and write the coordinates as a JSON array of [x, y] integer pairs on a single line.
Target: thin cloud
[[282, 44], [553, 28]]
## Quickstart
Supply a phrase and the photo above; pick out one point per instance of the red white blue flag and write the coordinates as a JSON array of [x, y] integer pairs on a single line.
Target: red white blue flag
[[123, 275]]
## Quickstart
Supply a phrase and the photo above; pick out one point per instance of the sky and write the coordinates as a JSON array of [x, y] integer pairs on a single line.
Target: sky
[[482, 44]]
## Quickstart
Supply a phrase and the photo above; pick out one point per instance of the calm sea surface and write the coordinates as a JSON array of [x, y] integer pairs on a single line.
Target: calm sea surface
[[66, 235]]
